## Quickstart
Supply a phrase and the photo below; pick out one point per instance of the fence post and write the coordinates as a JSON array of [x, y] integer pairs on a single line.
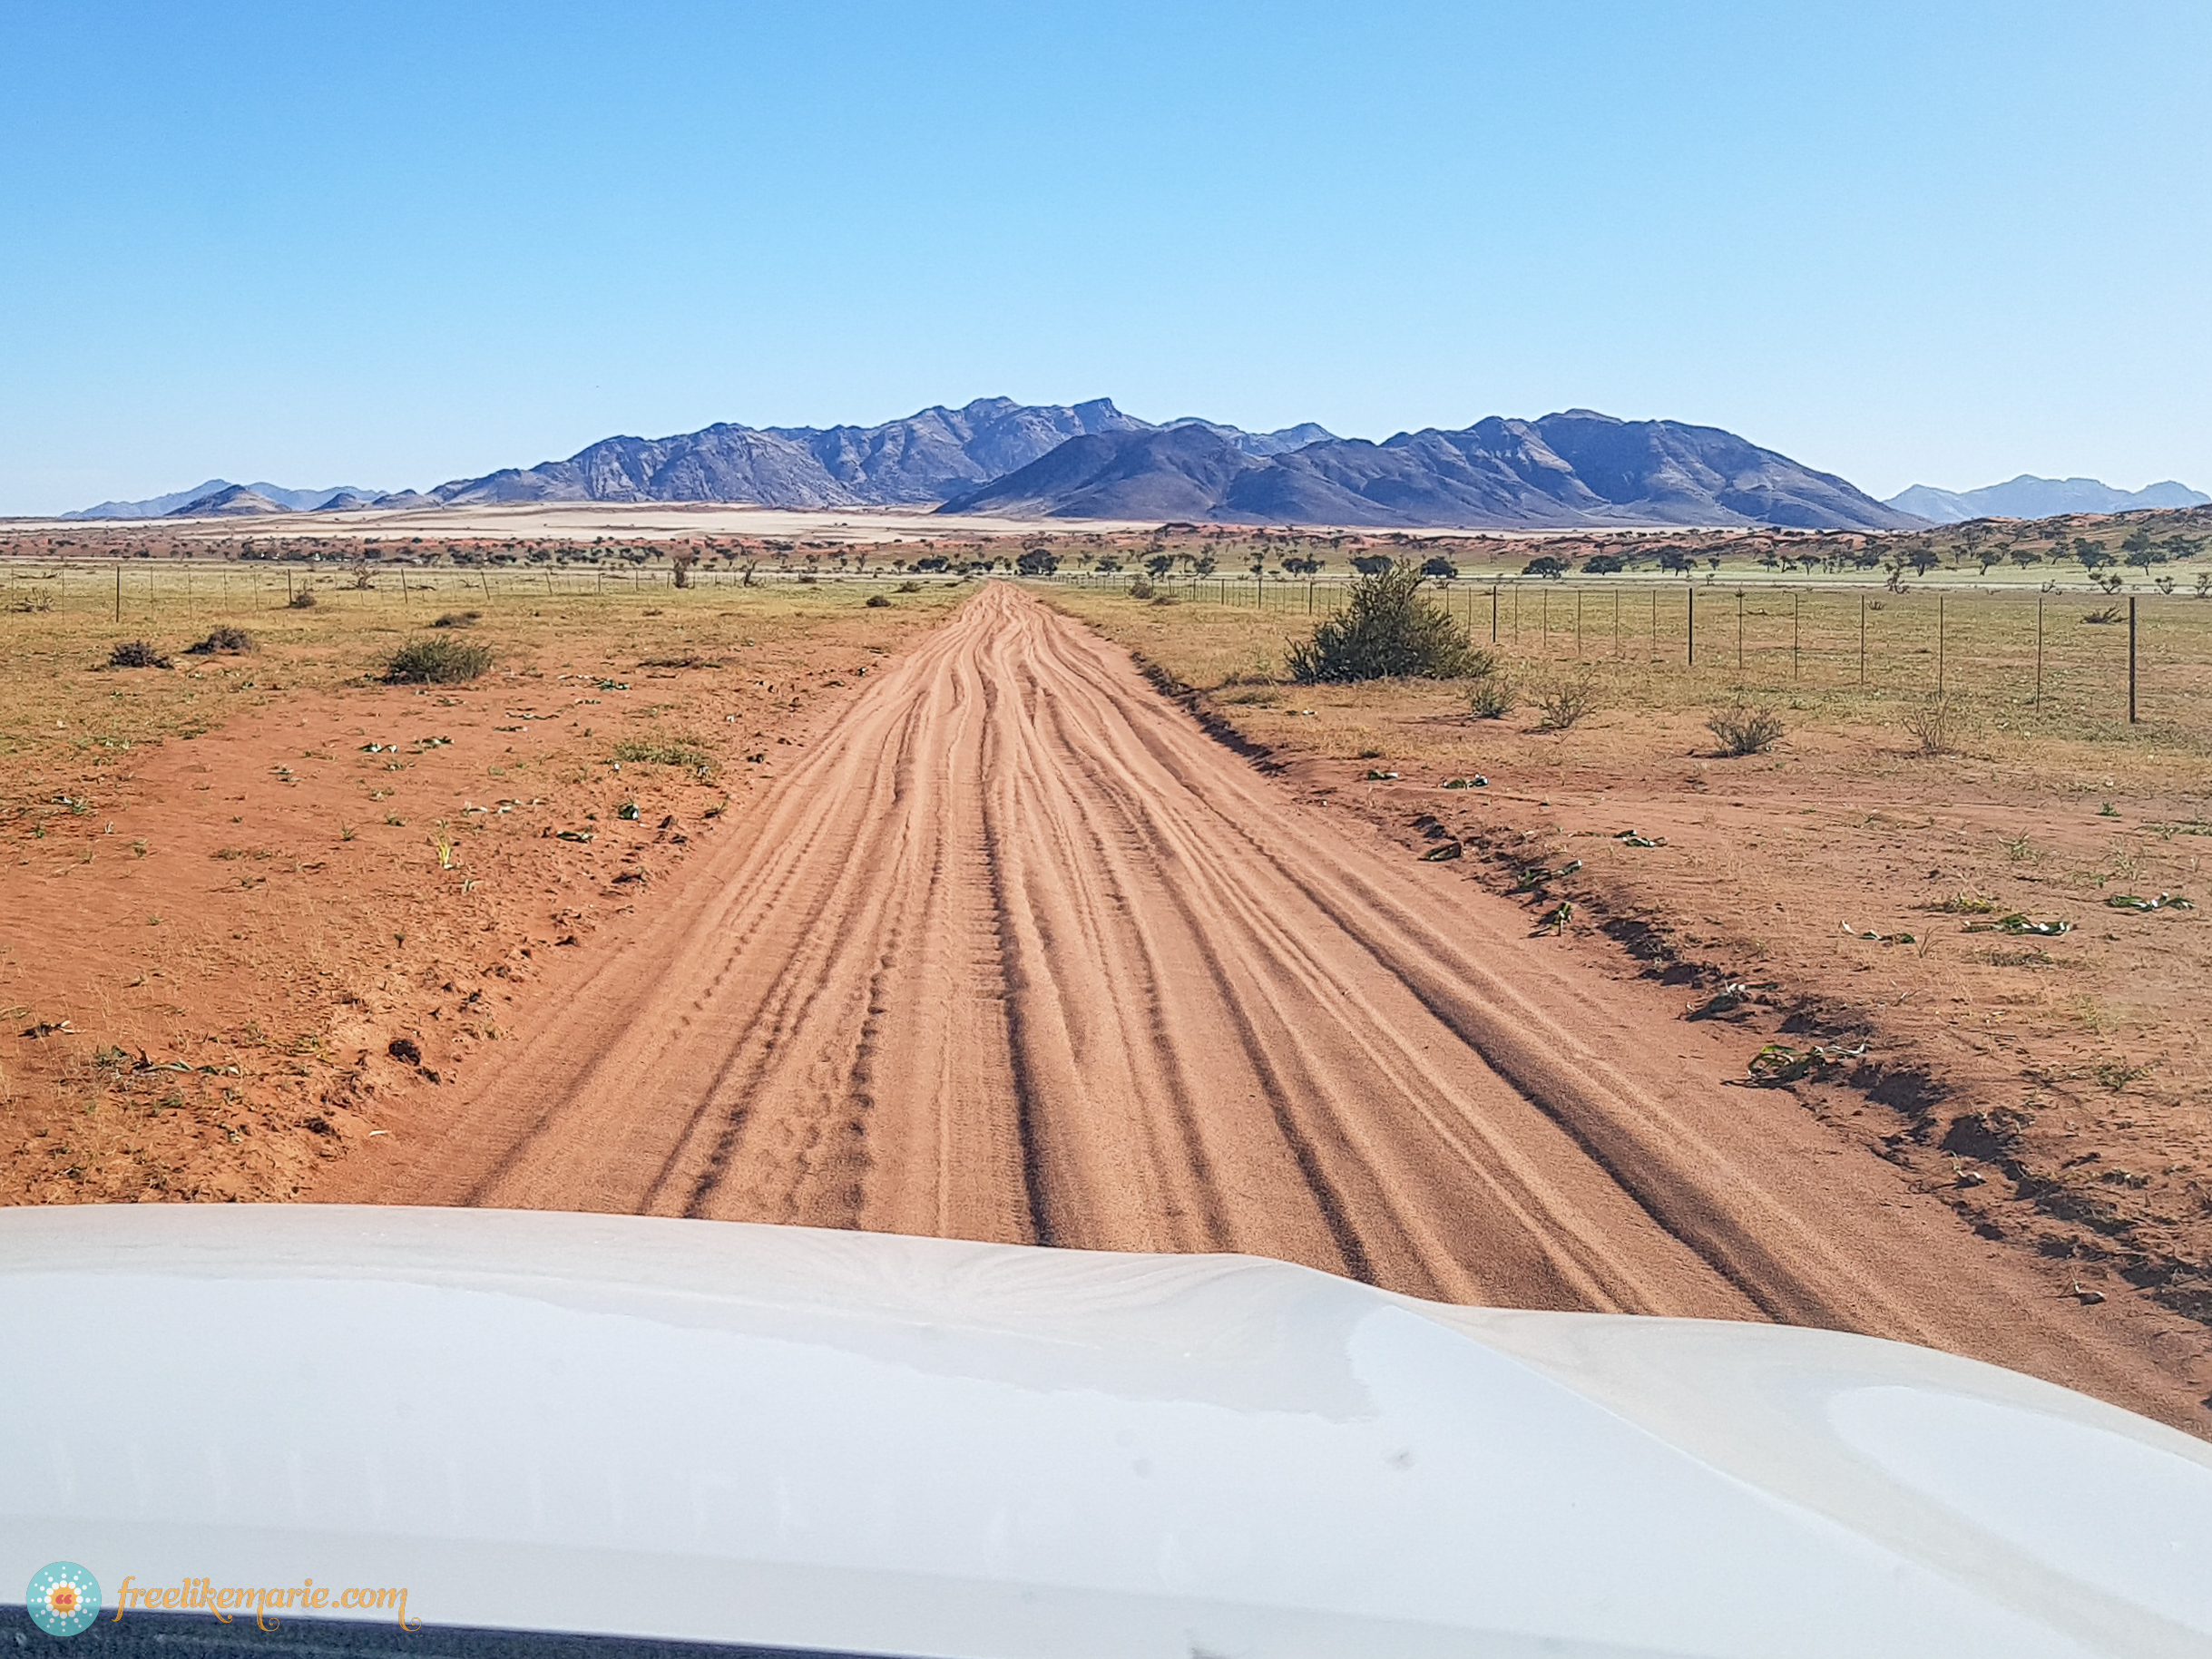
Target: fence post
[[2131, 660], [1739, 631], [1494, 612], [1794, 596], [119, 592], [2039, 651], [1862, 643], [1939, 645], [1689, 629]]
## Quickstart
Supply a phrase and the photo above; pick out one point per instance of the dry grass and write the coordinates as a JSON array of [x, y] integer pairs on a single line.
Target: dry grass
[[262, 864]]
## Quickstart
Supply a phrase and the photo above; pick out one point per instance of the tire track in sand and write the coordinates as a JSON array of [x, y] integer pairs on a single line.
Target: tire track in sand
[[1016, 952]]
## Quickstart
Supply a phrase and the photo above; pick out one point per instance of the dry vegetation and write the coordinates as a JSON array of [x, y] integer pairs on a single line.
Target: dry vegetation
[[225, 910], [249, 898], [1966, 919]]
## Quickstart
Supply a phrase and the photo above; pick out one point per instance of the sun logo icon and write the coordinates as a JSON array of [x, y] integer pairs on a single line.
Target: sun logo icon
[[62, 1599]]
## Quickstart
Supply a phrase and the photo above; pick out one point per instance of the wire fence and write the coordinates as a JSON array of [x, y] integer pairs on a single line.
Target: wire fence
[[2086, 656]]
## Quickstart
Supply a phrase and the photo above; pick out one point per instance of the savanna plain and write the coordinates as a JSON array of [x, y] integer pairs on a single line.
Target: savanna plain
[[1848, 974]]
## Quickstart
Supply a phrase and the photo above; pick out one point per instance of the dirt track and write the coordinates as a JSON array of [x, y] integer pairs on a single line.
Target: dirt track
[[1016, 952]]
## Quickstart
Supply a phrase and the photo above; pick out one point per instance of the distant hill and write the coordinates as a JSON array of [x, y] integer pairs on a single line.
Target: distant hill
[[233, 502], [280, 498], [2030, 497], [1578, 468], [924, 457], [1089, 460], [1261, 443]]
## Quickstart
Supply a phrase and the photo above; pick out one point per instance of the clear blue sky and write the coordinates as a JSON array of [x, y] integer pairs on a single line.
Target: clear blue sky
[[394, 244]]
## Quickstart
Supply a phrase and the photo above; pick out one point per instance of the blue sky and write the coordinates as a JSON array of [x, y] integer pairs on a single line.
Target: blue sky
[[390, 244]]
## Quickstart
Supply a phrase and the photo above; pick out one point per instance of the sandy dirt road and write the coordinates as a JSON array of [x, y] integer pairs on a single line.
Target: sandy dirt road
[[1015, 952]]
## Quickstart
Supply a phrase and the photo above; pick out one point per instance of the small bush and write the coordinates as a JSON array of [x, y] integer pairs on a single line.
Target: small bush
[[1390, 629], [686, 752], [1933, 725], [438, 662], [226, 640], [876, 601], [1566, 702], [1745, 728], [304, 599], [136, 654], [1491, 697], [909, 586], [1142, 587], [459, 619]]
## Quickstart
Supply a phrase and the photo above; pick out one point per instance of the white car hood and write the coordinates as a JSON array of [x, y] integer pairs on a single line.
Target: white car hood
[[919, 1447]]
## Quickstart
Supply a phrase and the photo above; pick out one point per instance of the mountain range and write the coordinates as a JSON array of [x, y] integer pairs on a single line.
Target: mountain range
[[1089, 460], [219, 494], [1578, 468], [2030, 497]]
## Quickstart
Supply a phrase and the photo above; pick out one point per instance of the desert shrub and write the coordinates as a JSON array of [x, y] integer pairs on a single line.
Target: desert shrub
[[1745, 728], [909, 586], [876, 601], [136, 654], [1037, 561], [1933, 726], [686, 752], [1566, 702], [226, 640], [1142, 587], [1388, 629], [1372, 564], [304, 599], [1491, 697], [1546, 565], [438, 662], [458, 619]]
